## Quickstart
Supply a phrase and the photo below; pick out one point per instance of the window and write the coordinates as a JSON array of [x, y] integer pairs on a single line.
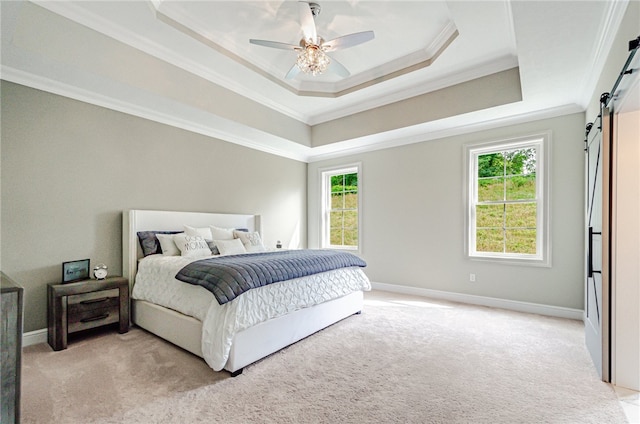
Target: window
[[341, 208], [507, 201]]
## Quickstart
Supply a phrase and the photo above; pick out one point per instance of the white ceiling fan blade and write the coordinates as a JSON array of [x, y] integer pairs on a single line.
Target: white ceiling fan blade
[[338, 68], [307, 22], [347, 41], [292, 72], [274, 44]]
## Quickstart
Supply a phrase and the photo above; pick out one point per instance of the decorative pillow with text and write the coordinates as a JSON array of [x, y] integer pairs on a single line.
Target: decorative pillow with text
[[251, 241], [192, 246]]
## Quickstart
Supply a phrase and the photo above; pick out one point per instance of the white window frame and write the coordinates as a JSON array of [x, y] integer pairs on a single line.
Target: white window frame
[[540, 142], [325, 193]]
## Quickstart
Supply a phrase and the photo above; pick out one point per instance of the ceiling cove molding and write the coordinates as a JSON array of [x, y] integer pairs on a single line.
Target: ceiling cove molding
[[398, 67], [512, 26], [258, 140], [81, 16], [433, 130], [609, 29], [430, 131]]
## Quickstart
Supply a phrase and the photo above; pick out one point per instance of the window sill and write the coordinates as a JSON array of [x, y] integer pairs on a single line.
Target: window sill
[[347, 248], [518, 261]]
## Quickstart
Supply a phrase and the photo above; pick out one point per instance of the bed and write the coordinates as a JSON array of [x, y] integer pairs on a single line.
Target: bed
[[228, 336]]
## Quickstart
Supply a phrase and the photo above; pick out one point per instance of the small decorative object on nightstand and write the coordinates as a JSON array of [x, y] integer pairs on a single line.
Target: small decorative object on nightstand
[[278, 244], [75, 271], [100, 272], [74, 307]]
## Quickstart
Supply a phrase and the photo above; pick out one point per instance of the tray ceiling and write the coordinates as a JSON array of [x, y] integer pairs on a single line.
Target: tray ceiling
[[401, 46]]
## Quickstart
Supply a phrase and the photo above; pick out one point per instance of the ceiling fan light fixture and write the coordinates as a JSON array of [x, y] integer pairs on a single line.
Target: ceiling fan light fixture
[[312, 51], [312, 60]]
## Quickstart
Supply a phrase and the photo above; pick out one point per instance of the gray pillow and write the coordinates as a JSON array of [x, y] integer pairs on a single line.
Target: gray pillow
[[149, 242]]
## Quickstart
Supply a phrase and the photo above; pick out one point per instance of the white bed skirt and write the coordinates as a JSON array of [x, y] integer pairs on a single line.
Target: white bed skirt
[[252, 343]]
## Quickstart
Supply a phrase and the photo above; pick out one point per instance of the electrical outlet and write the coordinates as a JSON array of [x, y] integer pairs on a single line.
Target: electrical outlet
[[472, 278]]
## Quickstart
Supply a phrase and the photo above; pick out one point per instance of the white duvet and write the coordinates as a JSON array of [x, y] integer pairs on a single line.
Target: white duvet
[[156, 283]]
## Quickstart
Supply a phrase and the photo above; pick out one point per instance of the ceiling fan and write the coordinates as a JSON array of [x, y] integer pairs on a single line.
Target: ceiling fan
[[312, 48]]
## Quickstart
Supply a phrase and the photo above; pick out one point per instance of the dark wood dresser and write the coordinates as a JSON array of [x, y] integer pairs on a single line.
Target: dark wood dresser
[[11, 357], [84, 305]]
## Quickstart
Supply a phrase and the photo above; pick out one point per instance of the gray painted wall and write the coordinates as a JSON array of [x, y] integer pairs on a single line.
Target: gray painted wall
[[488, 91], [413, 216], [69, 169]]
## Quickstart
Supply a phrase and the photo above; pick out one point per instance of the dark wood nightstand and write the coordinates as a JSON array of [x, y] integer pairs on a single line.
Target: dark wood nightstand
[[86, 304], [11, 355]]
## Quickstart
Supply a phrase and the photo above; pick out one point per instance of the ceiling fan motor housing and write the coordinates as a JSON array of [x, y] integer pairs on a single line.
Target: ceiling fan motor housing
[[315, 9]]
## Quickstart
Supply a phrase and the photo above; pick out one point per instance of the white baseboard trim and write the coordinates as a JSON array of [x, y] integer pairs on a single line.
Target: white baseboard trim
[[40, 336], [34, 337], [514, 305]]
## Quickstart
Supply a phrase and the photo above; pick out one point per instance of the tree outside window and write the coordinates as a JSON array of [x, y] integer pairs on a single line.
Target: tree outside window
[[507, 207]]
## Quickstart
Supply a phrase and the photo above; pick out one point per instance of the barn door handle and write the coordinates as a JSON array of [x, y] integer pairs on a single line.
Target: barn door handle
[[590, 254], [590, 269]]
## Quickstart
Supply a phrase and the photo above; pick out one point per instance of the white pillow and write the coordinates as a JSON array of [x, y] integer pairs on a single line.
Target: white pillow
[[167, 244], [218, 233], [230, 247], [204, 232], [192, 246], [251, 241]]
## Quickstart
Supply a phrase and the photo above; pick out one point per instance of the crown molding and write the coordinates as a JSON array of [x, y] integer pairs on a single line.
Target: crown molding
[[244, 136], [609, 29], [434, 130], [207, 125], [95, 22]]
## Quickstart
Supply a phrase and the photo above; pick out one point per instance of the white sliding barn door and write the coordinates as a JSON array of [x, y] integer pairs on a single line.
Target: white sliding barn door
[[597, 257]]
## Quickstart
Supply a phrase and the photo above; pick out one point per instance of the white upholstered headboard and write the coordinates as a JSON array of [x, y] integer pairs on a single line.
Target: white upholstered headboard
[[144, 220]]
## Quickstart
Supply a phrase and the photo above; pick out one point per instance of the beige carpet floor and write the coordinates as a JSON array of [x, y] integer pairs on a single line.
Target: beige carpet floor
[[403, 360]]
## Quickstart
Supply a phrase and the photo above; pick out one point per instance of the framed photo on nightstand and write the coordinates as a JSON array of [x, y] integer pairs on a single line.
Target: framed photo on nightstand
[[75, 271]]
